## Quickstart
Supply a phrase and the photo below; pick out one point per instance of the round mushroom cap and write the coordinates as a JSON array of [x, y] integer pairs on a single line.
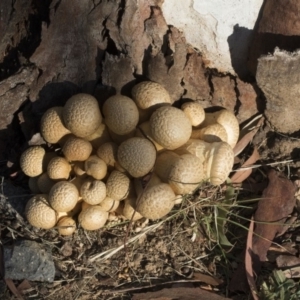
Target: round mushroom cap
[[228, 120], [137, 156], [31, 161], [194, 111], [92, 218], [52, 127], [211, 133], [121, 114], [81, 115], [58, 168], [109, 204], [95, 167], [93, 191], [164, 163], [63, 196], [99, 137], [66, 226], [45, 183], [149, 93], [117, 185], [77, 149], [186, 174], [170, 127], [108, 153], [39, 213], [156, 201]]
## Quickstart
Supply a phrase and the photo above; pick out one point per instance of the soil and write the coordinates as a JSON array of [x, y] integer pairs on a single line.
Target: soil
[[44, 62]]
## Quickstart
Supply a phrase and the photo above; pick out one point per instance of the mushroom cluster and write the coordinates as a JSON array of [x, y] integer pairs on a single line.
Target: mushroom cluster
[[132, 158]]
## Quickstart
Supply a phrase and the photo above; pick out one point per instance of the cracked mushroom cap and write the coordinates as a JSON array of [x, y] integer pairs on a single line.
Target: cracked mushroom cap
[[117, 185], [170, 127], [52, 127], [156, 201], [186, 174], [66, 226], [81, 115], [137, 156], [76, 149], [93, 191], [92, 218], [194, 111], [148, 93], [31, 161], [39, 213], [58, 168], [63, 196], [121, 114], [95, 167]]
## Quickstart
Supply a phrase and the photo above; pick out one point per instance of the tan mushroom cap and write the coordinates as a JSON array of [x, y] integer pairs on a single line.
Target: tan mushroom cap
[[63, 196], [149, 93], [156, 201], [141, 184], [170, 127], [95, 167], [194, 111], [108, 153], [228, 120], [66, 226], [77, 149], [121, 114], [109, 204], [164, 163], [81, 115], [99, 137], [211, 133], [93, 191], [186, 174], [137, 156], [52, 127], [218, 159], [39, 213], [58, 168], [31, 161], [78, 168], [129, 211], [93, 218], [117, 185], [45, 183]]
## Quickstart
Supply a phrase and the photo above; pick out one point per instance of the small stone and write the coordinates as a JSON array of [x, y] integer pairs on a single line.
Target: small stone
[[28, 260]]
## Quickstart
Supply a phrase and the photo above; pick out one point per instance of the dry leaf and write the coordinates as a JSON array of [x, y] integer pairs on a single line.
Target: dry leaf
[[207, 279], [178, 293], [240, 175]]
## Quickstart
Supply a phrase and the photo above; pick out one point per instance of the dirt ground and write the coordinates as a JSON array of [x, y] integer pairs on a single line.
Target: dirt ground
[[202, 241]]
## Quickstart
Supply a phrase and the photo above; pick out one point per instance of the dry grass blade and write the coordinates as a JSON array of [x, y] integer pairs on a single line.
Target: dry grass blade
[[248, 262]]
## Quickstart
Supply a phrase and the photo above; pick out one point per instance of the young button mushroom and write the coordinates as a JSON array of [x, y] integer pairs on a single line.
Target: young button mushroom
[[156, 201], [117, 185], [137, 156], [52, 127], [194, 111], [170, 127], [66, 226], [58, 168], [121, 114], [109, 204], [39, 213], [108, 153], [147, 94], [31, 161], [99, 137], [81, 115], [186, 174], [228, 120], [93, 191], [63, 196], [77, 149], [92, 218], [95, 167]]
